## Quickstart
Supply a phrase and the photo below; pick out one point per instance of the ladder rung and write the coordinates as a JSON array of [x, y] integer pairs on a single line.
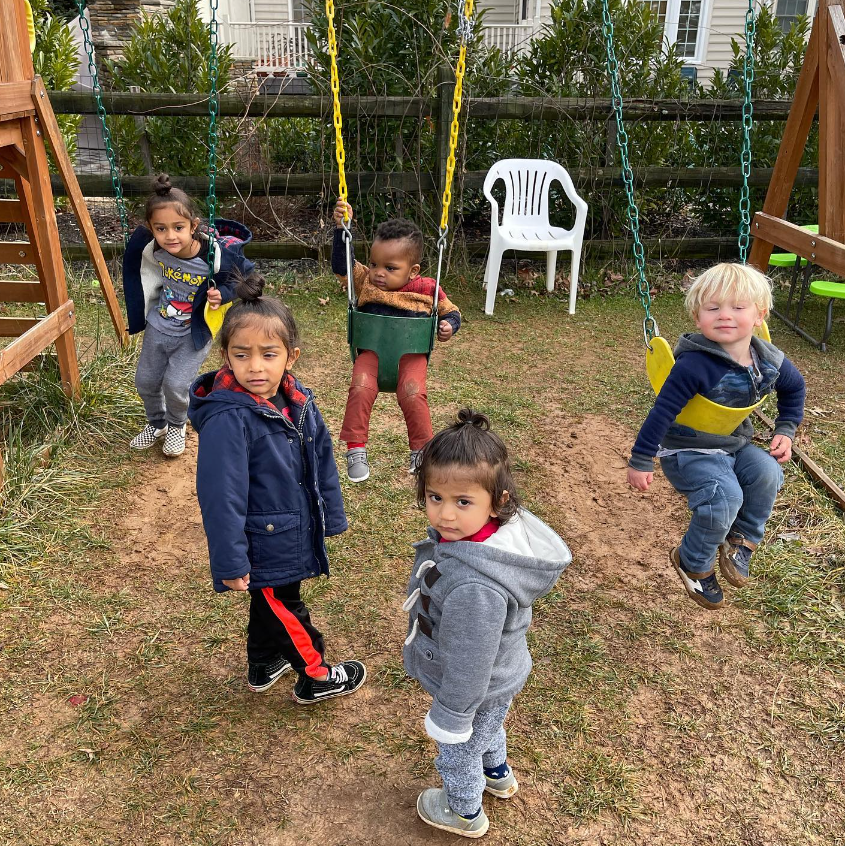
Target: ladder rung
[[22, 292], [17, 252]]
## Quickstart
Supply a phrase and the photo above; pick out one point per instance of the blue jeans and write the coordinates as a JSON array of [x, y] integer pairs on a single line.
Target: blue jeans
[[727, 494]]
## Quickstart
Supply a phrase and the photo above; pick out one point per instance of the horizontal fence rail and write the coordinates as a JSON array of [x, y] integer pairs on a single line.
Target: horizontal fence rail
[[305, 184], [492, 108], [658, 248]]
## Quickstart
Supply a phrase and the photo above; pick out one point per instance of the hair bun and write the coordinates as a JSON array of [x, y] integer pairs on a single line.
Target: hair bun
[[162, 184], [468, 417], [250, 288]]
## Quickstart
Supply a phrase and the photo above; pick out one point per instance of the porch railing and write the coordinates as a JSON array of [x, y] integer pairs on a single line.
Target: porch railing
[[277, 47], [281, 46]]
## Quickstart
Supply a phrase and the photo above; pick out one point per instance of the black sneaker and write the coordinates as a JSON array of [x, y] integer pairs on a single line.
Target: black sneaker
[[703, 589], [343, 678], [263, 676], [735, 558]]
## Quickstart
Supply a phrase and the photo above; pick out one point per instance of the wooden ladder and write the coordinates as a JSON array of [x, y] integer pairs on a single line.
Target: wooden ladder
[[26, 119]]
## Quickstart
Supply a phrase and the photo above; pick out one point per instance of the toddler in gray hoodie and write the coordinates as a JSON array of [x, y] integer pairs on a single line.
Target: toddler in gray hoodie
[[475, 578]]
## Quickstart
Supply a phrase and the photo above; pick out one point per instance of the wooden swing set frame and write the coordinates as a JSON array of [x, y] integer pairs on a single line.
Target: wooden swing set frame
[[26, 119], [821, 85]]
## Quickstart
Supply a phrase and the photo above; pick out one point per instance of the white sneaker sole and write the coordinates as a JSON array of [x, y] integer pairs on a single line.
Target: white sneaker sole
[[502, 794], [273, 680]]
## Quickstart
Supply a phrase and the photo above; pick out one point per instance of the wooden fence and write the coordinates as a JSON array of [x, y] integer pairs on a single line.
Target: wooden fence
[[438, 109]]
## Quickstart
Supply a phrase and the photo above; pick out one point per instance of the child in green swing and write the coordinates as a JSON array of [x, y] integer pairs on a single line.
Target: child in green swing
[[391, 284], [729, 483]]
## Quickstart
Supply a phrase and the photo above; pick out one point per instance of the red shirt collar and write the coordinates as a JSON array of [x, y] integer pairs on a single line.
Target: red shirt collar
[[488, 529]]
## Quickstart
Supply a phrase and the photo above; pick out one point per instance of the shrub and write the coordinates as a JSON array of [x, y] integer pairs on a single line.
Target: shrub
[[56, 62], [170, 52]]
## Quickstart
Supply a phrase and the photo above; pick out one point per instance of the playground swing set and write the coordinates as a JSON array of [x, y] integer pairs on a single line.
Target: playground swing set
[[26, 116]]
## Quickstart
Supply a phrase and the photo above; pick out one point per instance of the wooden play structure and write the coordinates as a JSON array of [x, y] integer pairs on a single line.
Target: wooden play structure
[[26, 119], [821, 85]]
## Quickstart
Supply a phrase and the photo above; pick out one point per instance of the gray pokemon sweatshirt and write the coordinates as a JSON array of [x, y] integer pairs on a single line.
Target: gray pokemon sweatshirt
[[470, 607]]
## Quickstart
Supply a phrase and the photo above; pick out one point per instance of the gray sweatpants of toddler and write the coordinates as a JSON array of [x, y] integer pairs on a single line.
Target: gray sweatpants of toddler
[[461, 765], [166, 367]]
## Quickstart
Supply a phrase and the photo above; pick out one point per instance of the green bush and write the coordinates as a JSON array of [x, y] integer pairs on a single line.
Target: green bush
[[170, 52], [55, 61]]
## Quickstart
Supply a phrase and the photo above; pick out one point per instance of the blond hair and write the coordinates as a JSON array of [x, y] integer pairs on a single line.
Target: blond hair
[[739, 281]]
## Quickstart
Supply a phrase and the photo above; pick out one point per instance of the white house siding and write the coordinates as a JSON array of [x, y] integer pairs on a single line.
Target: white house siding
[[727, 21], [499, 12]]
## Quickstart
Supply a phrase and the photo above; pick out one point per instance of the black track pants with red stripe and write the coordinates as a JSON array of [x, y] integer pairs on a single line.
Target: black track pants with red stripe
[[279, 624]]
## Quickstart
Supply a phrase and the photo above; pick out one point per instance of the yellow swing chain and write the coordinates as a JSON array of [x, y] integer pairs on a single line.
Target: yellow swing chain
[[340, 152], [465, 24]]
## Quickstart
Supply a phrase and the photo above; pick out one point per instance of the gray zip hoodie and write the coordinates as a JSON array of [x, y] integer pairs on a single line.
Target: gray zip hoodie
[[470, 607]]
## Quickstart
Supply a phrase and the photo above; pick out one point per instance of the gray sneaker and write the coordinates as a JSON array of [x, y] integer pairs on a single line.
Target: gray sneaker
[[503, 787], [433, 809], [174, 441], [357, 466], [147, 437]]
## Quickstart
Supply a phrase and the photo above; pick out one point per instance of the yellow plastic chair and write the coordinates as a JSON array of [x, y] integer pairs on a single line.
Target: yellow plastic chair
[[699, 413]]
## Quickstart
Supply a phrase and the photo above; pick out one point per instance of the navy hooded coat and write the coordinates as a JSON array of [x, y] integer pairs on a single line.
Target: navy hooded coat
[[267, 485]]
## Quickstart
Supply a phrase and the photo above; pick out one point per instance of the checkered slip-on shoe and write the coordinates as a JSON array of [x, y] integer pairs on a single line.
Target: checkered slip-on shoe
[[147, 437], [174, 441]]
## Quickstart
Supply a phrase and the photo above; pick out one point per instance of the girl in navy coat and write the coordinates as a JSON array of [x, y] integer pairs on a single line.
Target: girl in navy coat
[[269, 493]]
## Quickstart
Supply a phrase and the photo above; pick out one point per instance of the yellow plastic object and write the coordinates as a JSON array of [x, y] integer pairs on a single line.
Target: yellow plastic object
[[30, 25], [699, 413], [214, 317]]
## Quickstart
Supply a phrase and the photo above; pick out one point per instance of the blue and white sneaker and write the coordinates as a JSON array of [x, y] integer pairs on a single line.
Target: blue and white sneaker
[[702, 588], [734, 559]]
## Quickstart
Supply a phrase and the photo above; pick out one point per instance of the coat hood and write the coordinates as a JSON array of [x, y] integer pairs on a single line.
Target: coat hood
[[525, 557], [696, 342], [213, 392]]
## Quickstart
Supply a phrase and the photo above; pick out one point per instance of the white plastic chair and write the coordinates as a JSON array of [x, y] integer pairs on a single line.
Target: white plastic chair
[[525, 221]]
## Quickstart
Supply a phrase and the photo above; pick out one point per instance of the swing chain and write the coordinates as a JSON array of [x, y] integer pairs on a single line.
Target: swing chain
[[650, 329], [117, 185], [747, 125], [339, 150], [466, 24], [465, 31], [213, 109]]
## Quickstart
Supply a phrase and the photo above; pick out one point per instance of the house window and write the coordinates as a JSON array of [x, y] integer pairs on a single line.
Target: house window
[[684, 23], [787, 12]]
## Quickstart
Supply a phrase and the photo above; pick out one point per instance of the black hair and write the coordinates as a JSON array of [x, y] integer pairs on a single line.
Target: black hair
[[469, 445], [166, 194], [253, 308], [399, 229]]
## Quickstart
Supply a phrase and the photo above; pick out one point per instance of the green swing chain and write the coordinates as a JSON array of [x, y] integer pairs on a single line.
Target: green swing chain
[[747, 124], [213, 109], [650, 329], [117, 185]]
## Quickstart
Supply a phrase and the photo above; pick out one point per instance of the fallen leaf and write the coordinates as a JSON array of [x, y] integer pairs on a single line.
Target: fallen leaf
[[323, 300], [818, 412], [789, 536], [77, 699], [4, 586], [91, 753]]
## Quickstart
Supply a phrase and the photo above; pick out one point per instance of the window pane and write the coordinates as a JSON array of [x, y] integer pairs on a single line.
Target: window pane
[[688, 25], [786, 11], [659, 8]]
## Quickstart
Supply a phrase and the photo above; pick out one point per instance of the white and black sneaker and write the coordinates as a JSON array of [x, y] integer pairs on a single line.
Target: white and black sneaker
[[263, 676], [147, 437], [174, 441], [342, 679], [703, 588]]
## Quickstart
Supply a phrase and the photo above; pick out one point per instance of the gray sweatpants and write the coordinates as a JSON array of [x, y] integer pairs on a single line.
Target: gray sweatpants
[[461, 765], [166, 367]]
